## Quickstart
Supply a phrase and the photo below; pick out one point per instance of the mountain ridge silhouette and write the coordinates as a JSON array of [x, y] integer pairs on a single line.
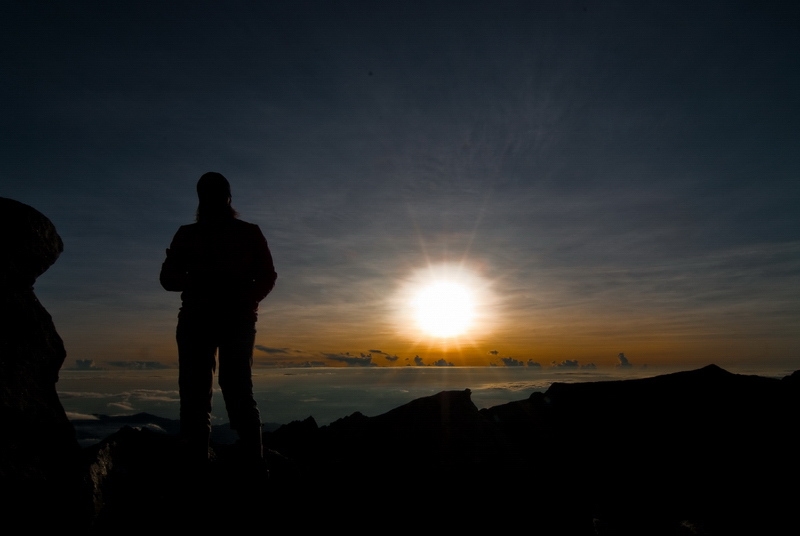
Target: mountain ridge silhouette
[[705, 449]]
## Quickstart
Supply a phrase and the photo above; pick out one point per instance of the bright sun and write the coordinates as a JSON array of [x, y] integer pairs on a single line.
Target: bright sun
[[443, 308], [446, 305]]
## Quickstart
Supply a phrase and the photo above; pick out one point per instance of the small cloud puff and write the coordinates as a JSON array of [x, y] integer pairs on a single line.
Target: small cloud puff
[[351, 360], [567, 363], [442, 363], [623, 361]]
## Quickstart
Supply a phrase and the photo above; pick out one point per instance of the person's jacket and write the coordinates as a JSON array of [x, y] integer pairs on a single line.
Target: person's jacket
[[222, 267]]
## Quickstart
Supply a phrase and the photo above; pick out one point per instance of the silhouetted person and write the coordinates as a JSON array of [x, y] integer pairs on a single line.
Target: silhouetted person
[[223, 268]]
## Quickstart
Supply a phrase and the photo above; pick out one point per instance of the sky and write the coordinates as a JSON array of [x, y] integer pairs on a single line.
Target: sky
[[604, 178]]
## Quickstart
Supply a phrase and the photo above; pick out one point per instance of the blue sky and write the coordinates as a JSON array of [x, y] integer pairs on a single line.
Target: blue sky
[[612, 176]]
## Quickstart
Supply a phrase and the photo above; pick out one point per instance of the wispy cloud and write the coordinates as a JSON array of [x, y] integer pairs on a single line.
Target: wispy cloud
[[604, 201], [139, 365], [272, 351], [74, 416]]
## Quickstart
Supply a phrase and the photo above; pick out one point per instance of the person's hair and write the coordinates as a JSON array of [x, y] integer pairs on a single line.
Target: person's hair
[[214, 195]]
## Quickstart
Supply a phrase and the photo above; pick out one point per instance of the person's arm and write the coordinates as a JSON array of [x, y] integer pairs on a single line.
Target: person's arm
[[265, 275], [173, 271]]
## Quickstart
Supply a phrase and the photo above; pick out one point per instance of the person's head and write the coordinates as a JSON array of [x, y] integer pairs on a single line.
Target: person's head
[[214, 195]]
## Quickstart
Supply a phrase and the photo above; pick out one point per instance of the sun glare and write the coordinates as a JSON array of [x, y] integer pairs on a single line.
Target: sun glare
[[443, 308], [448, 304]]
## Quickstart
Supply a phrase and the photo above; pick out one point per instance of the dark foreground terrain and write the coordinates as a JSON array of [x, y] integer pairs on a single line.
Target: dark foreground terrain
[[697, 452]]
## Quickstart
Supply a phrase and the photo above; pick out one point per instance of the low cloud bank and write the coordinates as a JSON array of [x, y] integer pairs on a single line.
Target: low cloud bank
[[139, 365]]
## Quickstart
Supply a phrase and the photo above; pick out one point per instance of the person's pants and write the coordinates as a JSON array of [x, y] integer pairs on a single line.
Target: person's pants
[[199, 340]]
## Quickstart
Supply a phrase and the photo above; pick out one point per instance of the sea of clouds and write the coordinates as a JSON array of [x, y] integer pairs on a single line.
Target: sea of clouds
[[327, 393]]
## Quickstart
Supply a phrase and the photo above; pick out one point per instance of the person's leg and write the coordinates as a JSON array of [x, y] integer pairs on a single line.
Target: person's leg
[[236, 383], [196, 362]]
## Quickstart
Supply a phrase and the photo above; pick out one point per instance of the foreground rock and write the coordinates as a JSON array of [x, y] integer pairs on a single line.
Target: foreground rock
[[704, 450], [38, 449], [697, 452]]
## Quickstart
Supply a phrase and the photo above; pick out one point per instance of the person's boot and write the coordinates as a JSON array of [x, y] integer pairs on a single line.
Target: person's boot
[[251, 443], [252, 452], [195, 452], [194, 439]]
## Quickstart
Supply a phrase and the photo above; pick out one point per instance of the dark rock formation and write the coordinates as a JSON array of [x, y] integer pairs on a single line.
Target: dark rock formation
[[697, 452], [705, 448], [29, 243], [38, 453], [142, 479]]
